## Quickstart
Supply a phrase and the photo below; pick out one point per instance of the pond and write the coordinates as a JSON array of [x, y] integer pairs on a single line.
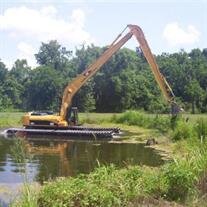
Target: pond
[[50, 158]]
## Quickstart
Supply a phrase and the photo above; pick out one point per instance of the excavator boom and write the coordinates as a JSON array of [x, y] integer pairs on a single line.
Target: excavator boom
[[161, 81]]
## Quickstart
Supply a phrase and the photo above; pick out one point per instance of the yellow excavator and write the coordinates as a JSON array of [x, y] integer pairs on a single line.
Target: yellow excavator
[[46, 120], [33, 119]]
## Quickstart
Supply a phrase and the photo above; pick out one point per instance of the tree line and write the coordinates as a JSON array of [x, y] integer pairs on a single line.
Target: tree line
[[124, 82]]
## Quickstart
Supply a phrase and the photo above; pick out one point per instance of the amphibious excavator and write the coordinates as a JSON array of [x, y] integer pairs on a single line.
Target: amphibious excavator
[[66, 122]]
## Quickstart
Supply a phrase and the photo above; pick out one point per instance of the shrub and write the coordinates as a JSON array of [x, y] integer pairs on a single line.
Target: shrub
[[183, 130], [161, 123], [133, 118], [140, 119]]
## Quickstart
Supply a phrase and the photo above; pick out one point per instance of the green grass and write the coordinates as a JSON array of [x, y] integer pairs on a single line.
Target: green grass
[[10, 119], [95, 118], [162, 123], [106, 186]]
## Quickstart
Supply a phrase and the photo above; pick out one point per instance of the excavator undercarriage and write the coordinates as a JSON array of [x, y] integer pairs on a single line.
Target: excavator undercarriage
[[44, 128], [66, 132]]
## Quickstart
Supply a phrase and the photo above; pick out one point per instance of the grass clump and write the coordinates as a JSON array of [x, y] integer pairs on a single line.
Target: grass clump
[[106, 186], [132, 118], [188, 130], [182, 130], [181, 179], [201, 129], [21, 156], [183, 175], [28, 197], [143, 120]]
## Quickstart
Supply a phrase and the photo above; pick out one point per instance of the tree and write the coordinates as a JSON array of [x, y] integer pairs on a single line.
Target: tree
[[53, 55], [12, 91], [44, 89], [124, 82], [20, 70], [3, 71], [195, 94]]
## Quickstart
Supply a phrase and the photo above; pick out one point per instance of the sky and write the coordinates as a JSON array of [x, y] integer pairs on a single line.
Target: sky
[[169, 25]]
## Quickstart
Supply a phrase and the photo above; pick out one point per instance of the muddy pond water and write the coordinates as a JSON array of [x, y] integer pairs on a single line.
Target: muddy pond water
[[50, 158]]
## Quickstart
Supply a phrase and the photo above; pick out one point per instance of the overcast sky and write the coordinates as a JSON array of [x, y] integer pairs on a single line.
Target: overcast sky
[[169, 25]]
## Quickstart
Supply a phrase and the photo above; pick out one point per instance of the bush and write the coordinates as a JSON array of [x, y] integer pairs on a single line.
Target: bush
[[143, 120], [133, 118], [183, 130], [161, 123]]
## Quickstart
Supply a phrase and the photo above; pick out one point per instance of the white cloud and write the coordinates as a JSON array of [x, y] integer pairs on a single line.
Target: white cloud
[[78, 17], [26, 51], [45, 24], [49, 11], [176, 35]]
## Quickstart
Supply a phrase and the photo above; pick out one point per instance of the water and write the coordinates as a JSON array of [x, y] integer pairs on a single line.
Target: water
[[53, 158]]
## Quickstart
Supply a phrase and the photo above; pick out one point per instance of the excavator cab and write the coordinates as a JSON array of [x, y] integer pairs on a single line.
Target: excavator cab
[[72, 116]]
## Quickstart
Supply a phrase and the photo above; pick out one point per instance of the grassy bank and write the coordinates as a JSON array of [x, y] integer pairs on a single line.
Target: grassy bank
[[179, 181]]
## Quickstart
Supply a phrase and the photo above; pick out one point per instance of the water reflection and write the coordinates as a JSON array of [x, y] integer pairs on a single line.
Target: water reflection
[[53, 158]]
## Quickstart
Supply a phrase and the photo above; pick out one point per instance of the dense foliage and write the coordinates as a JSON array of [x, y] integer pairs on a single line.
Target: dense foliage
[[124, 82]]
